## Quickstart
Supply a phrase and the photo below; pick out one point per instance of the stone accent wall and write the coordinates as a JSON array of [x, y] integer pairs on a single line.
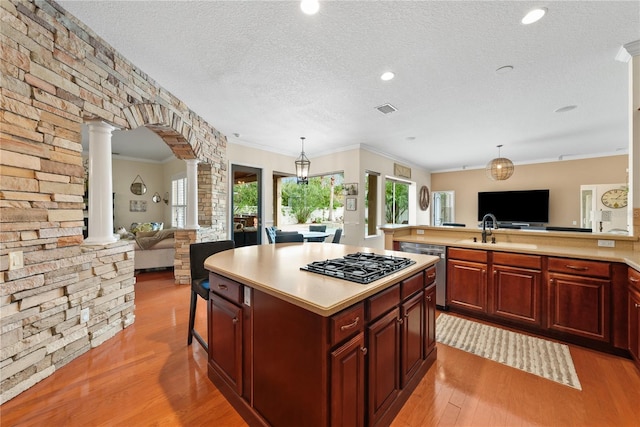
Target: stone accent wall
[[56, 75], [183, 238]]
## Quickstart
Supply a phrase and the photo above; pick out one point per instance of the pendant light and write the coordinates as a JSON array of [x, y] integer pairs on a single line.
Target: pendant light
[[500, 168], [302, 166]]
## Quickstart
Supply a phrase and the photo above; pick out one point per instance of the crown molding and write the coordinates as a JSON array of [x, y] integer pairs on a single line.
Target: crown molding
[[628, 51]]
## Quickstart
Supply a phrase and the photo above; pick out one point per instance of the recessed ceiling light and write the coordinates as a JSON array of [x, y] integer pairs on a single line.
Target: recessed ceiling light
[[411, 138], [387, 76], [504, 70], [565, 109], [534, 16], [310, 7]]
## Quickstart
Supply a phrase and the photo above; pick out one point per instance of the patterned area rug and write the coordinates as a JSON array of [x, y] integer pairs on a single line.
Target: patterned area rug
[[537, 356]]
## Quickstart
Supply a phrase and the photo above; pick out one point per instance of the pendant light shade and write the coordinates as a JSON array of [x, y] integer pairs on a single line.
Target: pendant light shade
[[302, 166], [500, 168]]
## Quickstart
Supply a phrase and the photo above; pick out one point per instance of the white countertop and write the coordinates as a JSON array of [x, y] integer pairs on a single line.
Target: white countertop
[[275, 269]]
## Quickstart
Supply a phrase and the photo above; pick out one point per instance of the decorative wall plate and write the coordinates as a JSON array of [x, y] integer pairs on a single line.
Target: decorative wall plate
[[425, 197]]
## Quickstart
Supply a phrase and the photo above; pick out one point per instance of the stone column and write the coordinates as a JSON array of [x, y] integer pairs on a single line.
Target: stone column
[[630, 53], [192, 194], [100, 184]]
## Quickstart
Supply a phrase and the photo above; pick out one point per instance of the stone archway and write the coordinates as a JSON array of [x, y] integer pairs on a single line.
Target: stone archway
[[181, 139]]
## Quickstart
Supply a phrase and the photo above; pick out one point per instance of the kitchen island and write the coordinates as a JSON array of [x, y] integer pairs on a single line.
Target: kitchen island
[[289, 347]]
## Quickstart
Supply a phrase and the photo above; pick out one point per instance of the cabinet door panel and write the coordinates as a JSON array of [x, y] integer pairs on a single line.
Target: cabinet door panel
[[467, 285], [412, 336], [347, 383], [430, 319], [225, 340], [384, 364], [634, 325], [516, 294], [579, 306]]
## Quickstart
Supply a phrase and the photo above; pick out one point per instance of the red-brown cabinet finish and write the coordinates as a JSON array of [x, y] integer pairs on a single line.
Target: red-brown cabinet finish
[[634, 315], [579, 306], [413, 335], [467, 285], [347, 383], [430, 319], [225, 340], [384, 364], [516, 294], [579, 297]]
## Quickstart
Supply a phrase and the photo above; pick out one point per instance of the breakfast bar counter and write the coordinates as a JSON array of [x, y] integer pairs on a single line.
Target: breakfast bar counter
[[294, 347]]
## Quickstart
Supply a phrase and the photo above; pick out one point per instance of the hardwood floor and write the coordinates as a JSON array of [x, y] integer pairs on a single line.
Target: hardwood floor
[[147, 376]]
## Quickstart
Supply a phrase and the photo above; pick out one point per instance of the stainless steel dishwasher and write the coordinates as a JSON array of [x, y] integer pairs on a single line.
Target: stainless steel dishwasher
[[441, 267]]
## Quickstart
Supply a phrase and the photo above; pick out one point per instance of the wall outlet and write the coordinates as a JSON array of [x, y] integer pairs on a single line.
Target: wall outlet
[[607, 243], [418, 231], [247, 296], [16, 260], [575, 222], [84, 315]]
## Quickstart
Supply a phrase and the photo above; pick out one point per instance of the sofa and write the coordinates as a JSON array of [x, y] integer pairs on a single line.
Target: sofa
[[154, 246]]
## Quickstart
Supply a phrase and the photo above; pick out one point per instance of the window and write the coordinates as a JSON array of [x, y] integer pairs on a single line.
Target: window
[[396, 202], [178, 201], [320, 201], [371, 203], [443, 207]]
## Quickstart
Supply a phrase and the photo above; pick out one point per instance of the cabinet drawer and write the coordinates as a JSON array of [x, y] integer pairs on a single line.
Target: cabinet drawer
[[382, 302], [634, 278], [430, 275], [467, 254], [347, 323], [226, 288], [580, 267], [518, 260], [411, 285]]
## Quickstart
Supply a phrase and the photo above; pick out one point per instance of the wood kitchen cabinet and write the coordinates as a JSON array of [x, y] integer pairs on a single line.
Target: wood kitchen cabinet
[[579, 298], [384, 364], [225, 340], [413, 336], [359, 365], [430, 318], [467, 279], [634, 315], [347, 383], [516, 288]]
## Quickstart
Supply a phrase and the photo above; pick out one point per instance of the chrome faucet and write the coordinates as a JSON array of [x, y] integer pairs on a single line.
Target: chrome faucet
[[486, 232]]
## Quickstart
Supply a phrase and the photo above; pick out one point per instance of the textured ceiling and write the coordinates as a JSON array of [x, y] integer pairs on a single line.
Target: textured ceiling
[[269, 73]]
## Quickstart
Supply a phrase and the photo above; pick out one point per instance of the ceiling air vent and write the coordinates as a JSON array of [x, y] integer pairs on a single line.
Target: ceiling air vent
[[386, 108]]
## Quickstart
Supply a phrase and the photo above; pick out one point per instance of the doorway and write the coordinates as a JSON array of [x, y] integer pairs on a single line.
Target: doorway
[[246, 205]]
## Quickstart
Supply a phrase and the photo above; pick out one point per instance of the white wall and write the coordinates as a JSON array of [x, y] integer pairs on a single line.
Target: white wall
[[353, 163]]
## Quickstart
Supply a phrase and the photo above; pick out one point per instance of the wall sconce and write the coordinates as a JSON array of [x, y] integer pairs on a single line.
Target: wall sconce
[[166, 198]]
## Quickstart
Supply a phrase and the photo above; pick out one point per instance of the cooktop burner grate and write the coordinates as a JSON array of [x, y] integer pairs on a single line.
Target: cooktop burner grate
[[360, 267]]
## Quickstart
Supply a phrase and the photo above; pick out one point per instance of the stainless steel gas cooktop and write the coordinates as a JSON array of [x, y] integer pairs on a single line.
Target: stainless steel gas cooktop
[[360, 267]]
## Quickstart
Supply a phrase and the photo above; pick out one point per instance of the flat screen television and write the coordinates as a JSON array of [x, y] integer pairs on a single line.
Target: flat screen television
[[527, 206]]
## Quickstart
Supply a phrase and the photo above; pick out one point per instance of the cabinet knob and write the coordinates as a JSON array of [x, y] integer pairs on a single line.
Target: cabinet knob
[[400, 321], [637, 305], [428, 297], [235, 320], [363, 350]]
